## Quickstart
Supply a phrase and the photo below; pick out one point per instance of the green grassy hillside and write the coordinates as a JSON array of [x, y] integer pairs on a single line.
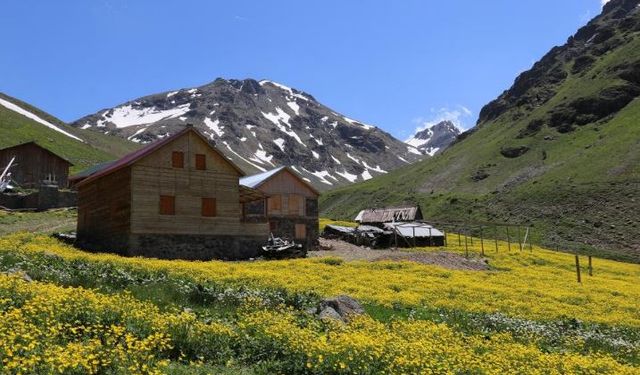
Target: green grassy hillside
[[16, 128], [559, 150]]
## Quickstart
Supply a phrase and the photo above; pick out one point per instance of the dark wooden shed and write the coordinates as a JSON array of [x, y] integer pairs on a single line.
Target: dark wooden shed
[[35, 165]]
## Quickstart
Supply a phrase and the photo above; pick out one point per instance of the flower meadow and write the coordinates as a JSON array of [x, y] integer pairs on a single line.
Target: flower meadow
[[72, 312]]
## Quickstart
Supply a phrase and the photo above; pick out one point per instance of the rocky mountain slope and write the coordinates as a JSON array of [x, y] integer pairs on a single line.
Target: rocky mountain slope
[[21, 122], [434, 138], [260, 125], [560, 149]]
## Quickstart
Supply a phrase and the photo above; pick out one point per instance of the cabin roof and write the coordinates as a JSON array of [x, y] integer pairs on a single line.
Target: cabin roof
[[91, 170], [390, 214], [132, 157], [40, 146], [256, 180]]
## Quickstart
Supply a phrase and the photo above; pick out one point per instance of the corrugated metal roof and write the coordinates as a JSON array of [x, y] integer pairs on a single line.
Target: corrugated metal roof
[[91, 170], [417, 229], [388, 215], [254, 181], [257, 179]]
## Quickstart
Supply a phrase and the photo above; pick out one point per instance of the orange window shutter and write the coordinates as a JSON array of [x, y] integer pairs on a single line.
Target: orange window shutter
[[201, 162], [209, 207], [167, 205], [294, 204], [177, 159], [275, 203], [301, 231]]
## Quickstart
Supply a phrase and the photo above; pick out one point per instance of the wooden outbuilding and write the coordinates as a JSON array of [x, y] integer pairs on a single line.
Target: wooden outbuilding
[[35, 165], [178, 197], [292, 204]]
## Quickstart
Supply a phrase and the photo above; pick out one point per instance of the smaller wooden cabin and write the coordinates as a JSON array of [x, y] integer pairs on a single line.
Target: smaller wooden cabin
[[178, 197], [292, 204], [35, 165]]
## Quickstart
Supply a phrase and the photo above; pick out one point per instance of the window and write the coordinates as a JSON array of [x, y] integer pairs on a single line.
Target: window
[[177, 159], [201, 162], [167, 205], [301, 231], [275, 203], [208, 207]]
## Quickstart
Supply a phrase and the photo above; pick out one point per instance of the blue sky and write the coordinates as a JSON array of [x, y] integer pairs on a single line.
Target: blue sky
[[394, 64]]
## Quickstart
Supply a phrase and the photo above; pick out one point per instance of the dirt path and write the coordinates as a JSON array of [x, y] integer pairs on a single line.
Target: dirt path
[[445, 259]]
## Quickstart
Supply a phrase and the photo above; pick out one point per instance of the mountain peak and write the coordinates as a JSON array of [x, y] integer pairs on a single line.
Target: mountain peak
[[260, 125], [435, 137]]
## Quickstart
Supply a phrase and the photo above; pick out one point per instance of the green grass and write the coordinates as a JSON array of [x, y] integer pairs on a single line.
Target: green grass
[[16, 129], [62, 220]]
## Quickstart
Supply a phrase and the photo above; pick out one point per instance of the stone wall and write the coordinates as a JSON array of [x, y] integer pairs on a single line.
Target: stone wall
[[285, 226], [195, 247], [45, 198]]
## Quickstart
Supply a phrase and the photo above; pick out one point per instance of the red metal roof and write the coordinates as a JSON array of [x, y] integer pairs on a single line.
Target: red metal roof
[[131, 158]]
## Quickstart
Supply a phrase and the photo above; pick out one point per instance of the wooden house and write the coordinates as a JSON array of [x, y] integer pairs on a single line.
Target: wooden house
[[292, 204], [178, 197], [35, 165]]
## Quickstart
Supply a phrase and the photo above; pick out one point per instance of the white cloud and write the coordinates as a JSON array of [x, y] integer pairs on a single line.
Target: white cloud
[[460, 116]]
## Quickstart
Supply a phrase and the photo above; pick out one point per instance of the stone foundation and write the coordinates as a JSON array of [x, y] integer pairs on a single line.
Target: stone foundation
[[45, 198], [195, 247], [286, 227]]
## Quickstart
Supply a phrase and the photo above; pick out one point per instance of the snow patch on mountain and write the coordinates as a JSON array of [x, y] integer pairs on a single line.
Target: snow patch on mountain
[[295, 107], [215, 126], [36, 118], [348, 176], [127, 115]]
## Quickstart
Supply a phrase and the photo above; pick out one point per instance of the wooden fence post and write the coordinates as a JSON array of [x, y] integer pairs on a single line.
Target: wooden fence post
[[508, 239], [495, 230], [414, 236], [459, 239], [481, 241], [530, 234], [590, 267], [578, 268], [444, 232], [466, 247], [430, 238], [519, 238]]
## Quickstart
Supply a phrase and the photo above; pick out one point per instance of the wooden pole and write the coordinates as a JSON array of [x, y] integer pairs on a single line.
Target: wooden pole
[[519, 238], [495, 230], [481, 241], [414, 236], [578, 268], [466, 247], [395, 235], [590, 267], [508, 239], [530, 233], [444, 232], [459, 240]]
